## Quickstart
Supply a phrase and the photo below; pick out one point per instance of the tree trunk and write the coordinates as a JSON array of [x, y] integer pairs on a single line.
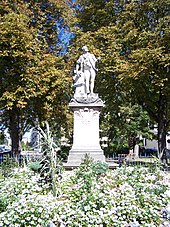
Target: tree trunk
[[162, 141], [131, 145], [15, 131], [162, 129]]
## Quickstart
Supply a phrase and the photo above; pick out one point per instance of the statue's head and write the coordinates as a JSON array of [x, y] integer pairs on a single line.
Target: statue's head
[[85, 49]]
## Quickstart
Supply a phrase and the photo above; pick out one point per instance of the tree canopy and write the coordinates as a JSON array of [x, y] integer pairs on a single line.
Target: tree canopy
[[132, 39], [34, 79]]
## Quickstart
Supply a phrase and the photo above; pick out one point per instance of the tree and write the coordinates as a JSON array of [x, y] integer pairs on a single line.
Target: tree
[[132, 39], [124, 127], [146, 62], [33, 76]]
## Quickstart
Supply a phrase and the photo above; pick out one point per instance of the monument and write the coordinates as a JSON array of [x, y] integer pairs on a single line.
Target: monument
[[86, 106]]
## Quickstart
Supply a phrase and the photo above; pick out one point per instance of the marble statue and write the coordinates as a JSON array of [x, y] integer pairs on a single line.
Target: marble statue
[[85, 72], [86, 107]]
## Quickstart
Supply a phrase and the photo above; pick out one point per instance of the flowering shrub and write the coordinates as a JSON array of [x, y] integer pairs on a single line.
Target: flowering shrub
[[21, 182], [91, 195], [33, 210], [122, 197]]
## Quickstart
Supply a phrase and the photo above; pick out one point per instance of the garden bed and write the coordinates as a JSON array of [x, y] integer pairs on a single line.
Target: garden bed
[[91, 195]]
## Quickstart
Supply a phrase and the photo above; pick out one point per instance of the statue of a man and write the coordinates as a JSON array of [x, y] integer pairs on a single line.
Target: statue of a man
[[86, 69]]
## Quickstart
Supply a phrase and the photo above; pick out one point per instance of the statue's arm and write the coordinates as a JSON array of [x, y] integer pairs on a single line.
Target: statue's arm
[[79, 64], [93, 61], [94, 58]]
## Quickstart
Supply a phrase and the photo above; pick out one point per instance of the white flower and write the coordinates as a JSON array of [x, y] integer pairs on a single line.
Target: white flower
[[40, 209], [32, 210], [28, 218], [167, 193]]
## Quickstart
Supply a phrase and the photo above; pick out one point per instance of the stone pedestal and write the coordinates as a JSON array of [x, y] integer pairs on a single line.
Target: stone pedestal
[[86, 129]]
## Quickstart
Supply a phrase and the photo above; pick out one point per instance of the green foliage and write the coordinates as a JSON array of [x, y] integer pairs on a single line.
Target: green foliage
[[35, 166], [64, 152], [3, 204], [2, 137], [25, 146], [100, 168], [7, 166], [88, 172], [131, 120], [92, 168], [156, 165]]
